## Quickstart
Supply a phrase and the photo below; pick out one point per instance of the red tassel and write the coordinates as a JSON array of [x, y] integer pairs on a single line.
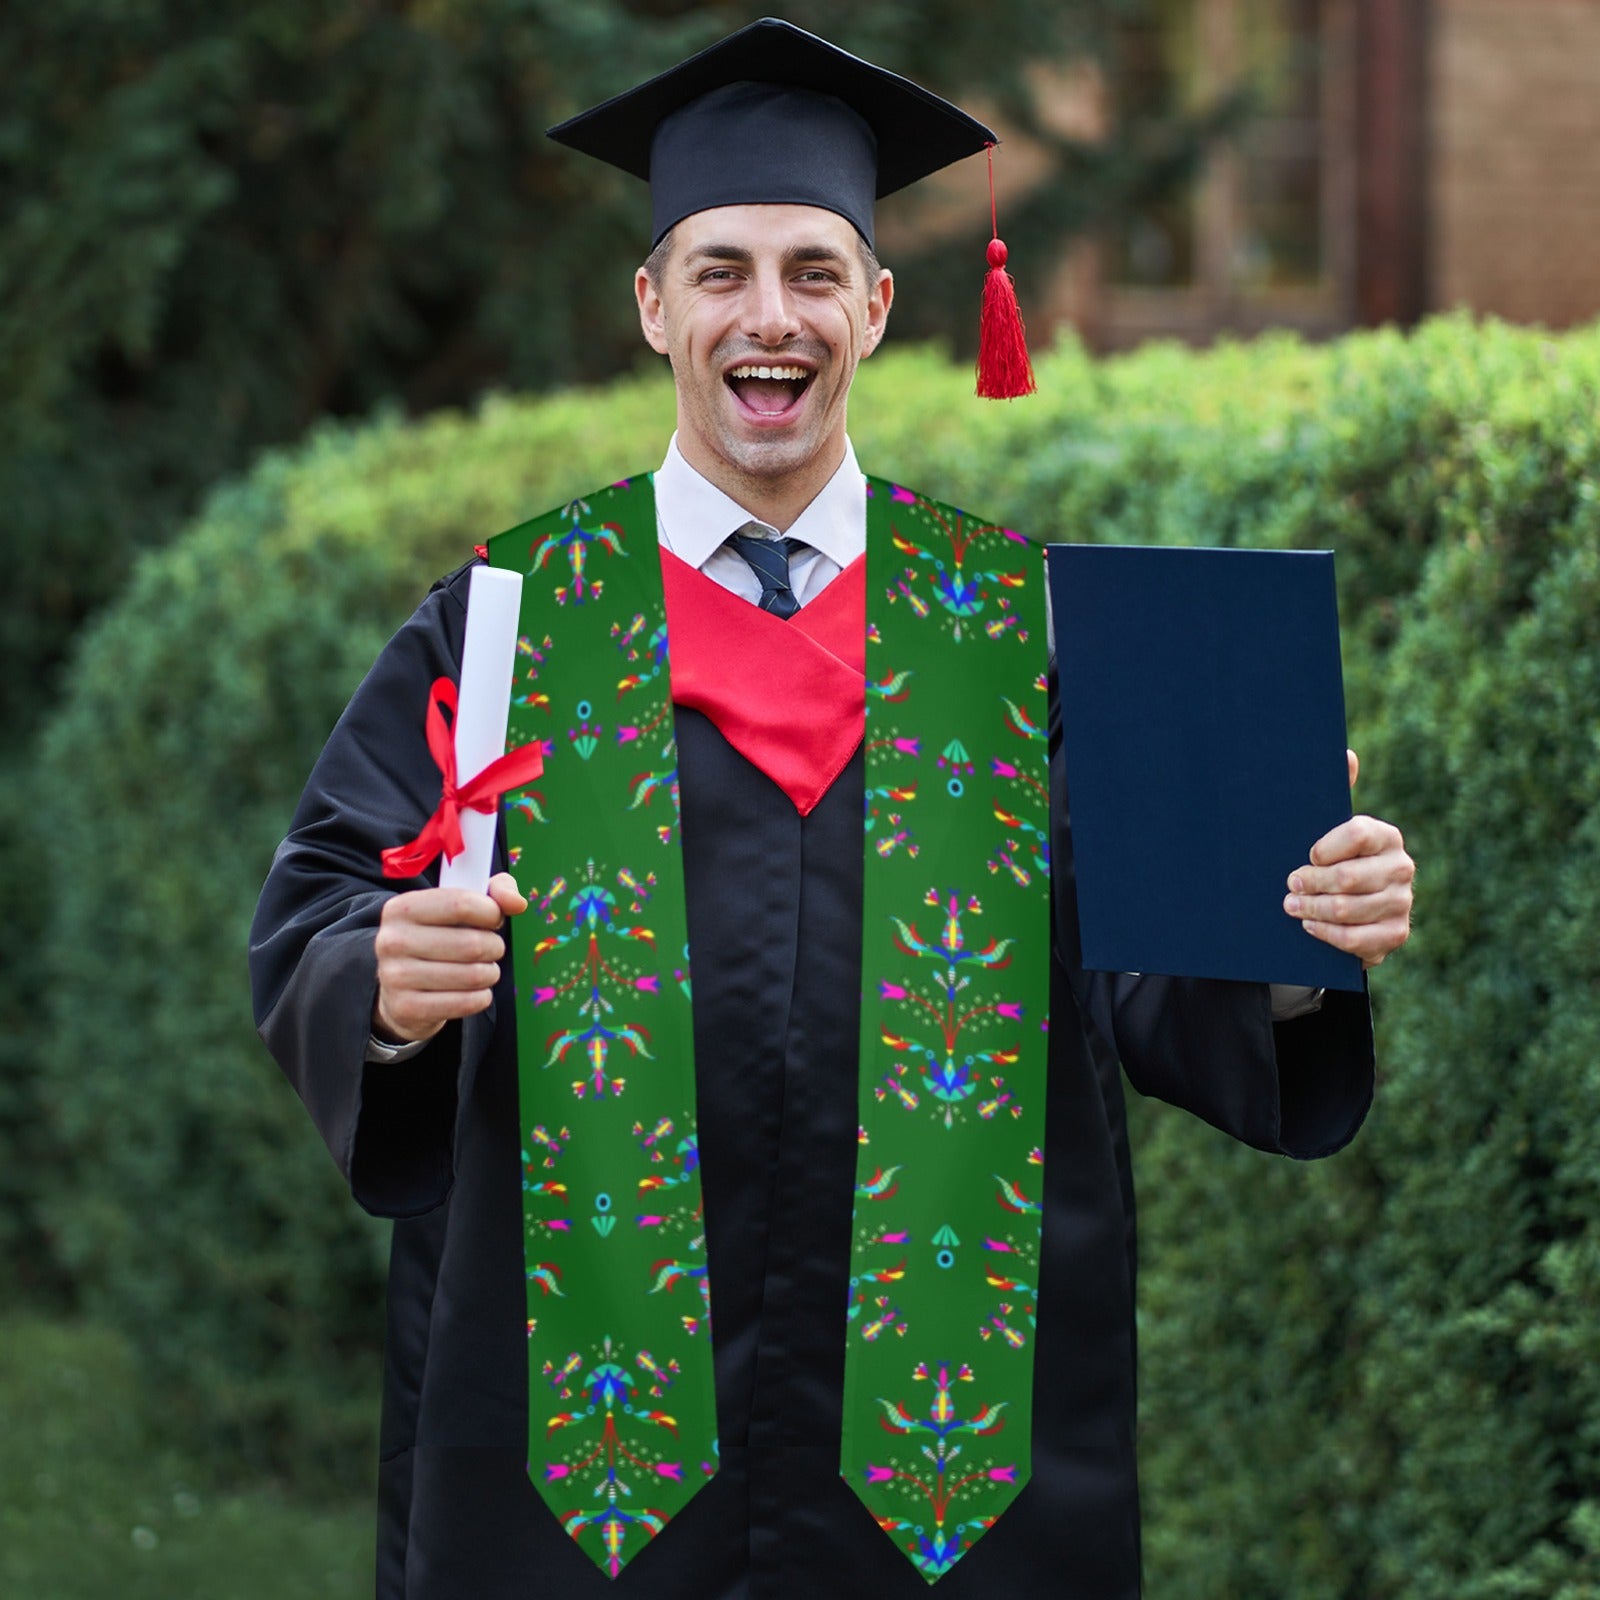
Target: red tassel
[[1004, 370]]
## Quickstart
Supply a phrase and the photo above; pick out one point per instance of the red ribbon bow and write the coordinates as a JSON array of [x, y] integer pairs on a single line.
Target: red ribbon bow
[[442, 831]]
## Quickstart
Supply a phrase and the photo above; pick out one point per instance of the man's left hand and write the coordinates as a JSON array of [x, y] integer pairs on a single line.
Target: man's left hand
[[1355, 893]]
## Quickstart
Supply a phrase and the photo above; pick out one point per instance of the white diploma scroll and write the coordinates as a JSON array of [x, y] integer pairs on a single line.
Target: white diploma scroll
[[488, 661]]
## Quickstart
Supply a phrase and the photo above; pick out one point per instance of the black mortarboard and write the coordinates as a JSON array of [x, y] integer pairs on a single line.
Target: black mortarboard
[[774, 115]]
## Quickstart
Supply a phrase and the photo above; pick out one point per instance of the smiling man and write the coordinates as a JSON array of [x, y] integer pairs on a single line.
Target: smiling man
[[814, 1275], [725, 293]]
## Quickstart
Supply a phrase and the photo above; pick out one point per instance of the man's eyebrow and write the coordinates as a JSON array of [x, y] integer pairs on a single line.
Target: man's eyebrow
[[816, 254], [720, 252], [738, 255]]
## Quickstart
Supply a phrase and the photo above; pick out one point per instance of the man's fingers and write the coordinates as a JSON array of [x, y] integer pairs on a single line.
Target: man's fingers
[[416, 997], [504, 892], [439, 956], [1357, 875], [409, 973], [449, 908], [1381, 905], [413, 1014], [426, 941], [1355, 893], [1370, 941], [1360, 836]]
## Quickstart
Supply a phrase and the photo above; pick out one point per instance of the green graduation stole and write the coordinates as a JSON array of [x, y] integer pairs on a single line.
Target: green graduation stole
[[945, 1250]]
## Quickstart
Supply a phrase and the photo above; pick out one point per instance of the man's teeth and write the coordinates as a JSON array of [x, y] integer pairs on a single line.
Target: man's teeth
[[797, 374]]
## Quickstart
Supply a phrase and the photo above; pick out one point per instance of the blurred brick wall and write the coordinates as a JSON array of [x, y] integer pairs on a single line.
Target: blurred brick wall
[[1515, 158]]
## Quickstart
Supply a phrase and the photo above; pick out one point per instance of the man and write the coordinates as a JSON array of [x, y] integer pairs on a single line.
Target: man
[[396, 1017]]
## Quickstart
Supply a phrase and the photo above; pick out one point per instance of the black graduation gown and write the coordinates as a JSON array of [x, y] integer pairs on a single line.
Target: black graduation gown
[[774, 915]]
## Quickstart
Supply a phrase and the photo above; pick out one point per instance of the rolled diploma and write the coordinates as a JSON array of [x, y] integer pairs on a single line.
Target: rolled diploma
[[488, 661]]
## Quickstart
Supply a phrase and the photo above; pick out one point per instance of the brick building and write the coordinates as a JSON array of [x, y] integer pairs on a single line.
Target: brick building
[[1402, 157]]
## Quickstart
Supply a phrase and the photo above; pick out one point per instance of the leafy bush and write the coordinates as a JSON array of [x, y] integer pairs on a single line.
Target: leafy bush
[[94, 1502], [1376, 1378], [193, 1209], [1370, 1378]]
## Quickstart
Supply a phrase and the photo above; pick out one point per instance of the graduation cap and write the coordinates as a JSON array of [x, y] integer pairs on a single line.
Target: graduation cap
[[773, 115]]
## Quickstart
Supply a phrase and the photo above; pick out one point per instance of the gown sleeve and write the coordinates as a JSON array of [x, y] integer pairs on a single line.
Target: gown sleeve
[[1300, 1088], [390, 1127]]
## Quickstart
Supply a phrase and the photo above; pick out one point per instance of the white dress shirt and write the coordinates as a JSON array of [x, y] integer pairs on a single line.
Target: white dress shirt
[[694, 518]]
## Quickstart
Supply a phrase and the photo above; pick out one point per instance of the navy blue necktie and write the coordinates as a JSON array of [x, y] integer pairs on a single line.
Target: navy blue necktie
[[769, 560]]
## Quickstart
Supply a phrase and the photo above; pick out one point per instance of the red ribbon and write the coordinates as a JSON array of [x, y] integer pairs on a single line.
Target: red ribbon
[[442, 831]]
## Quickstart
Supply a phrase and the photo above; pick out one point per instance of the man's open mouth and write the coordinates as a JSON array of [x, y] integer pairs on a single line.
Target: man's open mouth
[[769, 391]]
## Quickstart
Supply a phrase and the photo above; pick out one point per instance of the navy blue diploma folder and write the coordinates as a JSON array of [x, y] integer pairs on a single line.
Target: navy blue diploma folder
[[1202, 713]]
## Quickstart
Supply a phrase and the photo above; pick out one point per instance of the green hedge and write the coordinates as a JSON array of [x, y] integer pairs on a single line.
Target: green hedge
[[193, 1205], [1377, 1377], [1371, 1378]]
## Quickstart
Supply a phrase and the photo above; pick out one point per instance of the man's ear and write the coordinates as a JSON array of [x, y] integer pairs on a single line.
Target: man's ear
[[878, 303], [652, 315]]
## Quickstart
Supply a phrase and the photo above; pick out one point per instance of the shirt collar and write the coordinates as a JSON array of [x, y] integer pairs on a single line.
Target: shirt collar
[[695, 517]]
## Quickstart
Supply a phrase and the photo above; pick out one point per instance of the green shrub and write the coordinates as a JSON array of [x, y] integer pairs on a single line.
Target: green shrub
[[195, 1208], [94, 1501], [1371, 1378], [1375, 1378]]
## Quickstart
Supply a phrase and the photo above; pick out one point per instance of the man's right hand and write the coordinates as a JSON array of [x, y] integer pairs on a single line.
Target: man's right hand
[[439, 955]]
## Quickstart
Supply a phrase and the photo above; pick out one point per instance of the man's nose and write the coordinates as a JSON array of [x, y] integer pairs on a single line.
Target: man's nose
[[772, 318]]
